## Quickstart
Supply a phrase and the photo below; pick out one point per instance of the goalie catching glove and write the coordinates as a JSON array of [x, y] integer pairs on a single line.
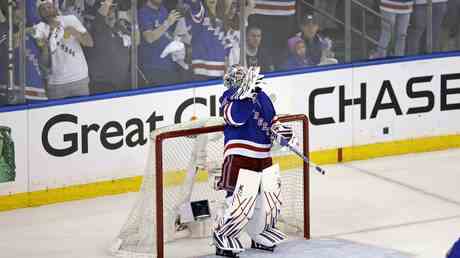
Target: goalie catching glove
[[283, 134]]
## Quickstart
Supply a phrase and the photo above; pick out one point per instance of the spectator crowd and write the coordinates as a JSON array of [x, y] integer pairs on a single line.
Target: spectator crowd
[[83, 47]]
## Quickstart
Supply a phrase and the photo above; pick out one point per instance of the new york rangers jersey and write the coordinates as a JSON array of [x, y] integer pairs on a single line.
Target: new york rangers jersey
[[208, 35], [275, 7], [397, 6], [248, 121]]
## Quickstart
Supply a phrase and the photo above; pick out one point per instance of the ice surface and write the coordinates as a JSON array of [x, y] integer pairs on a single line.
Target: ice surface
[[403, 204], [322, 248]]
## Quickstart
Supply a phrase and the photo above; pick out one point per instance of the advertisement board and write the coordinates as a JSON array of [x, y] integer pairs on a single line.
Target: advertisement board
[[406, 100], [106, 139]]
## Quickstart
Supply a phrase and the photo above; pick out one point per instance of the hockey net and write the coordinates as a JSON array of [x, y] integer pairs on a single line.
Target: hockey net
[[183, 164]]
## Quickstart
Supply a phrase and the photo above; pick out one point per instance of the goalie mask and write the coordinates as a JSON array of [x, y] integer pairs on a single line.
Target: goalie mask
[[235, 76], [244, 82]]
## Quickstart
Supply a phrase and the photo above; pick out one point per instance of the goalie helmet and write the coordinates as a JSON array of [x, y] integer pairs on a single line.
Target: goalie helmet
[[235, 76], [244, 82]]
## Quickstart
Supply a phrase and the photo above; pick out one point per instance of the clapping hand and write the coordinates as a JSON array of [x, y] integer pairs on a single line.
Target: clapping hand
[[173, 16]]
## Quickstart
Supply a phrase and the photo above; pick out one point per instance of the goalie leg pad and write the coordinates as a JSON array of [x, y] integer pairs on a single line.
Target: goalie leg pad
[[271, 187], [262, 228], [226, 246], [240, 210]]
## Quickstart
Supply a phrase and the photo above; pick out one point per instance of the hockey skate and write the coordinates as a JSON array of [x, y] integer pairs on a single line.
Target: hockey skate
[[259, 246], [226, 253]]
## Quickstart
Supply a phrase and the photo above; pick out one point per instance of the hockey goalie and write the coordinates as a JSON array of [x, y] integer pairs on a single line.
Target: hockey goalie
[[251, 181]]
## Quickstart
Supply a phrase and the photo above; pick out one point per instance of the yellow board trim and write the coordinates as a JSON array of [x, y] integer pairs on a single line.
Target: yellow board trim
[[131, 184], [415, 145]]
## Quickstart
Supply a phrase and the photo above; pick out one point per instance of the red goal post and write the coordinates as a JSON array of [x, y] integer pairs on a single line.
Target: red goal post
[[219, 128]]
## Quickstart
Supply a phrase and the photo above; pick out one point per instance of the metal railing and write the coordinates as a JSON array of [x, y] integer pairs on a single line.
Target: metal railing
[[134, 51], [363, 31], [349, 29], [13, 93], [429, 26]]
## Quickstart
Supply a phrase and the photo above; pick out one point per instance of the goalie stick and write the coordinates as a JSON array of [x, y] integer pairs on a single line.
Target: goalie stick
[[285, 142]]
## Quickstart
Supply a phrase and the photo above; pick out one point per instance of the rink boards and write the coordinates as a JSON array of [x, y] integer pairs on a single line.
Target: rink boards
[[93, 146]]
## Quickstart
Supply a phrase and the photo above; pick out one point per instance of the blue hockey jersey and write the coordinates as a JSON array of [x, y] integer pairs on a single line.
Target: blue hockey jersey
[[275, 7], [397, 6], [248, 122], [454, 252], [208, 42]]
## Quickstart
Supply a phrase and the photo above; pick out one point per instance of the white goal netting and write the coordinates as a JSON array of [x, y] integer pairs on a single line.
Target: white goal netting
[[188, 167]]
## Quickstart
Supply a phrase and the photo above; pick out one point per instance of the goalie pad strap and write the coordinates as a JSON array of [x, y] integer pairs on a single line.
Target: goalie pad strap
[[226, 243], [274, 234], [238, 219]]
